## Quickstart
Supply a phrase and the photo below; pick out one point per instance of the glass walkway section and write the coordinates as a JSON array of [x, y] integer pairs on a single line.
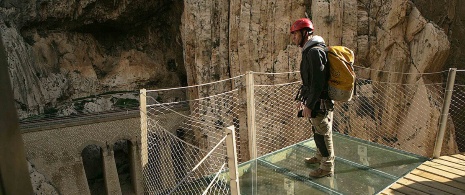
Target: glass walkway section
[[361, 167]]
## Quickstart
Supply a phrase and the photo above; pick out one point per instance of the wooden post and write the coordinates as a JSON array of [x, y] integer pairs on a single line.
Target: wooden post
[[143, 127], [251, 114], [445, 112], [232, 160]]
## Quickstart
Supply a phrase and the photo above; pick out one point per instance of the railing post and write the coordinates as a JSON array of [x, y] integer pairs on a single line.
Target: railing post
[[251, 114], [232, 160], [445, 112], [143, 127]]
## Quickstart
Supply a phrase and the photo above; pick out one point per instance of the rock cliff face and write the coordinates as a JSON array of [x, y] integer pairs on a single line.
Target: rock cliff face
[[64, 50], [60, 51], [230, 38], [40, 184], [447, 15]]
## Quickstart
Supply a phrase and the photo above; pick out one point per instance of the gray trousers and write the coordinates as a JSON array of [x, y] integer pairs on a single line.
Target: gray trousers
[[322, 126]]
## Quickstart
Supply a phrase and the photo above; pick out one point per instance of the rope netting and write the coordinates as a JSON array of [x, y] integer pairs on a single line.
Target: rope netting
[[277, 125], [186, 148], [401, 111], [186, 138], [456, 118], [401, 116]]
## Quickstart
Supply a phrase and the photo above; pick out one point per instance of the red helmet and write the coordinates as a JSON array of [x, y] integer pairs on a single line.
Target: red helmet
[[302, 23]]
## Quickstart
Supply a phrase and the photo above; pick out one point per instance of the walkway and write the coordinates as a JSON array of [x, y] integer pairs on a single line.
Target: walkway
[[445, 175], [361, 168]]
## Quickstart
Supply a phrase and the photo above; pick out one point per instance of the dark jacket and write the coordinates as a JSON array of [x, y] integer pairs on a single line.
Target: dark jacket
[[314, 72]]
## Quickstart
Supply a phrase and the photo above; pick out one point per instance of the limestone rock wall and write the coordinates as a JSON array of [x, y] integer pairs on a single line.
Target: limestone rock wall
[[40, 184], [447, 15], [59, 51], [224, 39]]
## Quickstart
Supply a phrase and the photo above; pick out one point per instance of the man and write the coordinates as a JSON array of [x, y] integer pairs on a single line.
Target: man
[[314, 99]]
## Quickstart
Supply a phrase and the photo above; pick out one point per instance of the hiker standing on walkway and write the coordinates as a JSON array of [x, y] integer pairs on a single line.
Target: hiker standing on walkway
[[313, 96]]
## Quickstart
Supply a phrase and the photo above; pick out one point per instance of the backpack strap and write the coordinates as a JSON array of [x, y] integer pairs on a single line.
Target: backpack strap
[[321, 46]]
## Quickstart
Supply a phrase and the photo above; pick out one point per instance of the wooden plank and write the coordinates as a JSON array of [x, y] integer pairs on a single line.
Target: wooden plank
[[440, 179], [438, 165], [434, 184], [459, 156], [406, 189], [420, 186], [390, 191], [442, 173], [450, 164], [452, 159]]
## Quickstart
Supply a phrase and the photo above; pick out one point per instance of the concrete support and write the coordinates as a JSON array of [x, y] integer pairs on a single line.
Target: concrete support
[[136, 169], [110, 172], [80, 176]]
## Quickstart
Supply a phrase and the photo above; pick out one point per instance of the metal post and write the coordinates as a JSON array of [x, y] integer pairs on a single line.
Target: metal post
[[251, 114], [14, 173], [232, 160], [445, 112]]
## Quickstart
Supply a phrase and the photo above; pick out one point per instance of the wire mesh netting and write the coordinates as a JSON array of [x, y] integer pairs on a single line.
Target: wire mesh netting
[[455, 134], [276, 121], [400, 111], [186, 139], [402, 116], [398, 115]]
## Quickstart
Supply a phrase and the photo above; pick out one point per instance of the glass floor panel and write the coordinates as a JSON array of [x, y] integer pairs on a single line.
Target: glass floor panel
[[361, 167]]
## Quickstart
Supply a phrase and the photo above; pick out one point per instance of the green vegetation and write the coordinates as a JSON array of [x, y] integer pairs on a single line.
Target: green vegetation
[[50, 111], [126, 102], [159, 99], [83, 98], [116, 92]]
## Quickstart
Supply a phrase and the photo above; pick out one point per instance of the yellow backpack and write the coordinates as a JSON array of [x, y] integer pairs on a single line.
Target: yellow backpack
[[341, 73]]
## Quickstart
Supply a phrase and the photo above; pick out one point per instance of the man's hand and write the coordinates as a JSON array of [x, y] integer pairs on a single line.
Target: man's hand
[[307, 112]]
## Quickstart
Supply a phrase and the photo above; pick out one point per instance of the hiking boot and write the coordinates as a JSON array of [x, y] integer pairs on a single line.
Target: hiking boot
[[317, 173], [312, 160]]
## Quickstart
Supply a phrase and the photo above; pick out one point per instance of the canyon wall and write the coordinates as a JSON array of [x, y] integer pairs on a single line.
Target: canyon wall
[[223, 39], [61, 51]]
